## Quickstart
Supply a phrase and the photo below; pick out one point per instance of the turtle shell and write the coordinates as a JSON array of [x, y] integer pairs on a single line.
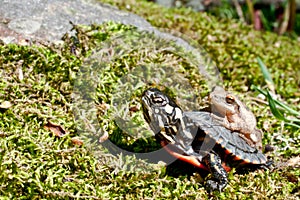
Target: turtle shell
[[228, 144]]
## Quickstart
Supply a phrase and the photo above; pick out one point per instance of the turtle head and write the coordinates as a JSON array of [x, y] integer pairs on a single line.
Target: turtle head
[[160, 111]]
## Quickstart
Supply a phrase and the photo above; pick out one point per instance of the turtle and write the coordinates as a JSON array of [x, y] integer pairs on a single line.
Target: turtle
[[194, 137]]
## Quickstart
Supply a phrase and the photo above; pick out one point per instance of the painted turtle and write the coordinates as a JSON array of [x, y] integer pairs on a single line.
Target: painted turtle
[[197, 139]]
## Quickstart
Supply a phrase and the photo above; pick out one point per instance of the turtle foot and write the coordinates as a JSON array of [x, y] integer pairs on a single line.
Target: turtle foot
[[213, 186]]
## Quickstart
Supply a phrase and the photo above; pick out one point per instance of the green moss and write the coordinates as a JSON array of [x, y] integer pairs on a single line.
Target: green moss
[[39, 82], [233, 46]]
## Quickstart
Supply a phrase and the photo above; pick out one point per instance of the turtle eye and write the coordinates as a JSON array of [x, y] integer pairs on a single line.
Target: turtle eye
[[230, 99], [155, 97], [157, 100]]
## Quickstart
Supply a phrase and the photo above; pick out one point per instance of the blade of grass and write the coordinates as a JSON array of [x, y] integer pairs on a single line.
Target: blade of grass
[[251, 11], [286, 17], [292, 124], [266, 74], [287, 108], [239, 10], [276, 112], [282, 105], [293, 12], [265, 22]]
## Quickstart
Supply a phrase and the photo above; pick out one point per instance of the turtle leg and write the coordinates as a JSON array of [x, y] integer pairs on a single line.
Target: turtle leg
[[214, 164]]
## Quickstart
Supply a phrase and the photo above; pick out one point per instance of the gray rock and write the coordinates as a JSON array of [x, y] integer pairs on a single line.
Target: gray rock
[[22, 22], [166, 3], [50, 19], [24, 25]]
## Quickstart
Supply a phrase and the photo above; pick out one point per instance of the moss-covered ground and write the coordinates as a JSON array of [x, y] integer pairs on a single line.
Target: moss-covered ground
[[37, 86]]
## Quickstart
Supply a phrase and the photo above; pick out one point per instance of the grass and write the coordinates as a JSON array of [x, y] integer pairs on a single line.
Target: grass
[[40, 83], [280, 110]]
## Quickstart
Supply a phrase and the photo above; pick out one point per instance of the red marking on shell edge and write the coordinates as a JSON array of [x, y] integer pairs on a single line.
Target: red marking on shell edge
[[189, 159], [246, 161], [256, 162], [237, 158], [227, 151], [220, 141]]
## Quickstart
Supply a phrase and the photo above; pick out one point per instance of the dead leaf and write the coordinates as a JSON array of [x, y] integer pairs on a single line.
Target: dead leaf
[[103, 137], [55, 129], [2, 134], [291, 177], [5, 105], [103, 107], [77, 141], [133, 109]]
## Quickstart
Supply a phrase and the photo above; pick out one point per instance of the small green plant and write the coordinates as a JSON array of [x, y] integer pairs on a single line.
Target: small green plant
[[280, 110]]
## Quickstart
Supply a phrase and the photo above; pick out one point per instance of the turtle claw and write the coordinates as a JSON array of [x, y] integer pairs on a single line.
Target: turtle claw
[[213, 186], [269, 165]]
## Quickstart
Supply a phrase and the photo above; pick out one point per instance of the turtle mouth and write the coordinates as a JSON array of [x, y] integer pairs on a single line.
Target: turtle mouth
[[146, 103]]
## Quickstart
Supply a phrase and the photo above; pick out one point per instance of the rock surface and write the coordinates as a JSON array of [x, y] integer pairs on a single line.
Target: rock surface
[[49, 20], [23, 22]]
